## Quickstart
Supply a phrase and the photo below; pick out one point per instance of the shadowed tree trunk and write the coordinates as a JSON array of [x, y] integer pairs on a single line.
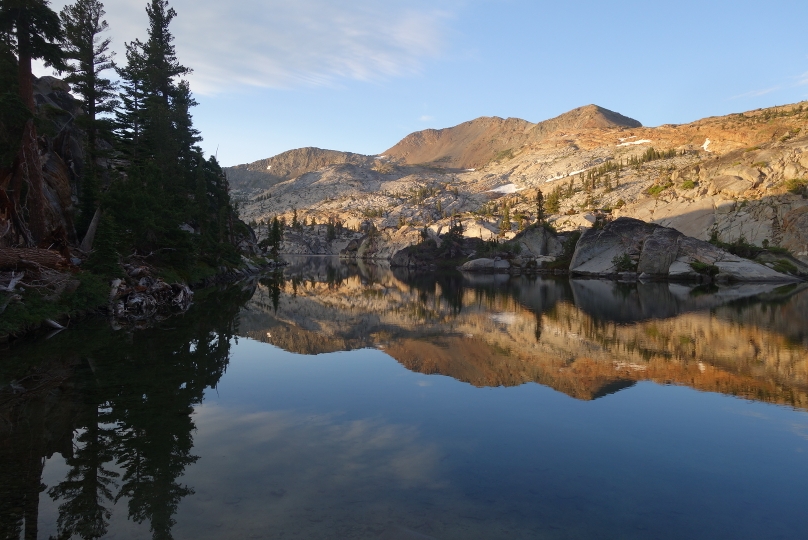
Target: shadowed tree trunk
[[28, 158]]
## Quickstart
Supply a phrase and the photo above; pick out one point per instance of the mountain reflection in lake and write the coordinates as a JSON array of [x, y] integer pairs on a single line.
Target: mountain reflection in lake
[[329, 421]]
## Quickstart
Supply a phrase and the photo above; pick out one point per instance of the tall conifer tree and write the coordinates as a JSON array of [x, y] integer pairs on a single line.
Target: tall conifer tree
[[32, 30], [88, 57], [129, 116], [172, 203]]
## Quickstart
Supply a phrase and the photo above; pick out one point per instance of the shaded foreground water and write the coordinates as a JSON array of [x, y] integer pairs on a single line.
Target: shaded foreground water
[[336, 401]]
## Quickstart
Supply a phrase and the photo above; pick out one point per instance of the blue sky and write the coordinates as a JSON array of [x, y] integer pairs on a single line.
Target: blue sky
[[358, 75]]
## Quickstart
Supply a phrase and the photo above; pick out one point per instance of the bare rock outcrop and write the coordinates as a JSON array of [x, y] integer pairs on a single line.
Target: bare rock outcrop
[[633, 246], [795, 232], [539, 242], [287, 165]]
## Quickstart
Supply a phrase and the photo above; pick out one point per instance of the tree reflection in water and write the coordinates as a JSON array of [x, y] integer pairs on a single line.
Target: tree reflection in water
[[108, 400], [118, 405]]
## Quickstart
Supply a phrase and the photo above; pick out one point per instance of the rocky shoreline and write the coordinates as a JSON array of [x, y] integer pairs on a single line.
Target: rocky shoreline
[[624, 249], [138, 299]]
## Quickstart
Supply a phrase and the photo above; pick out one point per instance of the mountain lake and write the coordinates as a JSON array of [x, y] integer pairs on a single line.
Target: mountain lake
[[355, 401]]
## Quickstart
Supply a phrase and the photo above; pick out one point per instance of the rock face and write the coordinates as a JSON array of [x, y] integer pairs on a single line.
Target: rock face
[[539, 242], [314, 240], [384, 246], [795, 232], [631, 245]]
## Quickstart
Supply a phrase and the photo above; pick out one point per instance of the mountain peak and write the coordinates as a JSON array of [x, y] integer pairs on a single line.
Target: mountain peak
[[595, 116], [288, 165], [472, 144]]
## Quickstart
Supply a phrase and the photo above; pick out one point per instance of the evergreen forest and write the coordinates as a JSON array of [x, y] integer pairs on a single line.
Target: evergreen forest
[[108, 168]]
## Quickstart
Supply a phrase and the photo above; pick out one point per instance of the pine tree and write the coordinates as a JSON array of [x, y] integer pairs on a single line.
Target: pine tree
[[539, 207], [160, 53], [14, 116], [31, 29], [187, 135], [88, 200], [506, 218], [553, 202], [130, 115], [88, 57], [169, 186], [275, 237], [163, 137], [608, 183]]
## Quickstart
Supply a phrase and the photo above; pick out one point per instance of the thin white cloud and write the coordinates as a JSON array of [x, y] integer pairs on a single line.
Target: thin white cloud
[[285, 44], [426, 118], [757, 93], [799, 80]]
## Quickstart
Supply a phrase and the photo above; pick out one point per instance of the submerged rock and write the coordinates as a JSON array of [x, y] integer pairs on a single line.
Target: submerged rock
[[485, 265]]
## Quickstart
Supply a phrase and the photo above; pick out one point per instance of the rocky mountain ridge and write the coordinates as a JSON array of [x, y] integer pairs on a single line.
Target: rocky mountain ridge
[[289, 165], [739, 177], [473, 144]]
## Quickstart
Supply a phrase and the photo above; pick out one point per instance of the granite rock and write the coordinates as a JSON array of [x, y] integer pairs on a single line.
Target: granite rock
[[660, 252]]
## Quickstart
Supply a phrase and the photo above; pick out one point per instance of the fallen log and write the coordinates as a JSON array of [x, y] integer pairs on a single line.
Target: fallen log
[[11, 258]]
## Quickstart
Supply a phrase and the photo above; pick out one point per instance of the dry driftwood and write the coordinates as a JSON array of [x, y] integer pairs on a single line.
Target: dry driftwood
[[22, 257], [15, 278], [87, 243]]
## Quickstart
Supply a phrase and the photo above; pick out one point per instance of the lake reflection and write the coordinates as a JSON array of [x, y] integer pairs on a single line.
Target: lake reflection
[[585, 338], [330, 419]]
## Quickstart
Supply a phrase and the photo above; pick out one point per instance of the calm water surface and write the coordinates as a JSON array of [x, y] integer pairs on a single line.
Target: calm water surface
[[344, 401]]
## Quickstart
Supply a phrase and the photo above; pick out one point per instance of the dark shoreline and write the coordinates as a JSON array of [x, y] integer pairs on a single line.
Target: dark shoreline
[[48, 327]]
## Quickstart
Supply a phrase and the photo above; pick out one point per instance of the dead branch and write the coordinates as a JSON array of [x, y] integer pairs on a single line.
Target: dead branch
[[87, 243], [13, 283], [53, 324]]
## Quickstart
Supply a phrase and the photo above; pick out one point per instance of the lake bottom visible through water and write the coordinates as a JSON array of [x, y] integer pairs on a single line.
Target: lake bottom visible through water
[[335, 401]]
